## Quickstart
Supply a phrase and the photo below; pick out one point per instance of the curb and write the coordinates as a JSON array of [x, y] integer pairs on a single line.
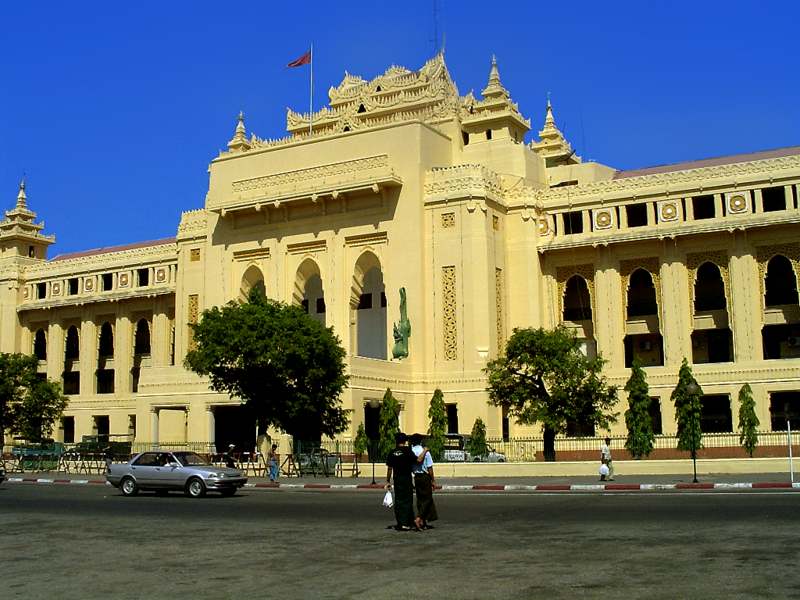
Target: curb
[[481, 488]]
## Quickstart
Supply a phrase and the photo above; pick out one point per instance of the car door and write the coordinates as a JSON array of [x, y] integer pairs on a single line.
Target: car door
[[143, 469]]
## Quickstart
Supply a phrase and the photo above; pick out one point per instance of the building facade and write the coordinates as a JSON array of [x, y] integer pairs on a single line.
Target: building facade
[[405, 206]]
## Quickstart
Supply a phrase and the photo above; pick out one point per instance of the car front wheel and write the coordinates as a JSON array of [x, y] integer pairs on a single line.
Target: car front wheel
[[196, 488], [129, 487]]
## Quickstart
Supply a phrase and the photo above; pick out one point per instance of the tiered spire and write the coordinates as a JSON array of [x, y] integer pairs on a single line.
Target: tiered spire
[[553, 147], [20, 231], [239, 142], [495, 89]]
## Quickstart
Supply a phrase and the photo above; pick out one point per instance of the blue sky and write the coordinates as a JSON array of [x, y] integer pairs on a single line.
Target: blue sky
[[115, 109]]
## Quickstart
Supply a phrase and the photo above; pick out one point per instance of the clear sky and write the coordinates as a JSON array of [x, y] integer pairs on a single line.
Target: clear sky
[[115, 109]]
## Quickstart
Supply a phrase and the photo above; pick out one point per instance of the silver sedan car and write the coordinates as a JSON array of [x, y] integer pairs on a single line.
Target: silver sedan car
[[163, 471]]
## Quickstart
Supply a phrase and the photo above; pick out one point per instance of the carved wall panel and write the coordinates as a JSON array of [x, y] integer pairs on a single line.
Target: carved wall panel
[[193, 313], [737, 203], [161, 275], [696, 259], [669, 211], [123, 280], [603, 218], [544, 227], [450, 313], [498, 302], [652, 266], [55, 289], [448, 220], [564, 274]]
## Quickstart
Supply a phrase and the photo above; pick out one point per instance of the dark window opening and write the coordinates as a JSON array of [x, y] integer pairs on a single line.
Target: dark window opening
[[703, 207], [488, 134], [637, 215], [365, 302], [778, 410], [361, 109], [452, 418], [579, 428], [383, 299], [378, 89], [346, 129], [72, 383], [465, 137], [143, 277], [320, 306], [41, 290], [780, 341], [72, 350], [648, 347], [709, 289], [31, 252], [304, 304], [106, 282], [72, 286], [577, 303], [68, 425], [780, 283], [141, 341], [641, 295], [715, 414], [135, 373], [505, 422], [40, 344], [773, 199], [655, 415], [106, 345], [371, 421], [105, 381], [712, 346], [573, 223], [101, 425]]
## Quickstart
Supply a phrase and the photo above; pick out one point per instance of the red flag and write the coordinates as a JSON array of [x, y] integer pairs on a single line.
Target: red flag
[[303, 60]]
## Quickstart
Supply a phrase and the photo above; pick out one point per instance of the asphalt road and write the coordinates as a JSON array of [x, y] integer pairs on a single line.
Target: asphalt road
[[90, 542]]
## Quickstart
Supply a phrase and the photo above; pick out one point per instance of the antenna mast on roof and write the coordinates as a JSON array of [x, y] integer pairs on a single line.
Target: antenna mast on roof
[[438, 23]]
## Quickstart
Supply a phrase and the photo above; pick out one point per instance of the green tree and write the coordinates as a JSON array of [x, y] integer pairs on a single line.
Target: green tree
[[388, 423], [477, 441], [688, 409], [29, 405], [637, 418], [285, 367], [748, 421], [545, 378], [361, 443], [437, 413]]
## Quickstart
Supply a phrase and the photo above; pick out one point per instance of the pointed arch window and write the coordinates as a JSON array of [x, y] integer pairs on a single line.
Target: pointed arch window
[[709, 289], [40, 344], [641, 295], [105, 347], [141, 337], [72, 346], [780, 283], [577, 301]]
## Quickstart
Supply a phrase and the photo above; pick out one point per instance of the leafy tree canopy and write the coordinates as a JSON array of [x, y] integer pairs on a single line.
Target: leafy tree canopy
[[288, 369], [477, 441], [437, 413], [641, 438], [388, 423], [545, 378], [688, 410], [748, 420], [29, 405]]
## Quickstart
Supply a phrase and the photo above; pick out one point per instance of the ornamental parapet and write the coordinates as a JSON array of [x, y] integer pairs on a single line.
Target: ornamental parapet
[[193, 225], [463, 182]]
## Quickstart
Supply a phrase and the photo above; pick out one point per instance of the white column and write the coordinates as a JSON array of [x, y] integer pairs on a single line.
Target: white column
[[154, 413], [211, 435]]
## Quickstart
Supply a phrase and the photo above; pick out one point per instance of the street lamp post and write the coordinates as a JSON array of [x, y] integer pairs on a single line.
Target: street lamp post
[[374, 404], [692, 390]]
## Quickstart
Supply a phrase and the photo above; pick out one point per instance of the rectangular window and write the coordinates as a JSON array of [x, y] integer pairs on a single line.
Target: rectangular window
[[365, 302], [106, 282], [573, 223], [715, 414], [135, 371], [773, 199], [703, 207], [103, 428], [72, 286], [637, 215], [143, 277], [68, 425], [304, 304], [72, 383], [452, 418], [41, 290], [105, 381], [320, 306], [655, 416]]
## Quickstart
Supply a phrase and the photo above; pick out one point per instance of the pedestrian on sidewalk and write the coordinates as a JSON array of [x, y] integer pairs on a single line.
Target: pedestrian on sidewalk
[[108, 455], [274, 458], [424, 482], [230, 459], [399, 463], [605, 458]]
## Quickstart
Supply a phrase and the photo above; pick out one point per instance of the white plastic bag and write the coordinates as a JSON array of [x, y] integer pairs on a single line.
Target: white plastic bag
[[388, 501], [603, 470]]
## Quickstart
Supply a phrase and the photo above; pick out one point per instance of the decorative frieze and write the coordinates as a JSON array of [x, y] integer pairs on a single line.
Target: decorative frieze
[[305, 247], [450, 313], [498, 303], [368, 239]]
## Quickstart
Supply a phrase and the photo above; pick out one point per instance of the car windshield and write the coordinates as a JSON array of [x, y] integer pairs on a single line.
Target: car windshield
[[190, 459]]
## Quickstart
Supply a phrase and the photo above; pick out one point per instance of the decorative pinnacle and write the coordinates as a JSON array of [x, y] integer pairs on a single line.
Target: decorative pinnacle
[[21, 198], [494, 75]]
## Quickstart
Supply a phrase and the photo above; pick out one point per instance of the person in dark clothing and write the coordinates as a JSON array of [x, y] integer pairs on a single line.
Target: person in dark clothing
[[424, 482], [399, 464], [230, 459]]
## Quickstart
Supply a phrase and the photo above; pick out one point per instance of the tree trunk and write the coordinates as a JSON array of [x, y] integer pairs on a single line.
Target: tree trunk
[[549, 444]]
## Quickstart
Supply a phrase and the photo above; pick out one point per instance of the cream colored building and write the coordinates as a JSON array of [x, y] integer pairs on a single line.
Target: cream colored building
[[407, 184]]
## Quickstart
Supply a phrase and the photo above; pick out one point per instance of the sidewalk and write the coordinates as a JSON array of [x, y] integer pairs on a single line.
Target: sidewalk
[[563, 483]]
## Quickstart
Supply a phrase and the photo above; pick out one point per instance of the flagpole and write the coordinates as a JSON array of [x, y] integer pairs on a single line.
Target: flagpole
[[311, 99]]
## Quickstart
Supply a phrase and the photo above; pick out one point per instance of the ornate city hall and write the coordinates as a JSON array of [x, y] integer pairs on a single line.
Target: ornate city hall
[[421, 226]]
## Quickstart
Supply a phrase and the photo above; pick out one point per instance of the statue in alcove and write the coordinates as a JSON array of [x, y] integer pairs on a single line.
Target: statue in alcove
[[402, 330]]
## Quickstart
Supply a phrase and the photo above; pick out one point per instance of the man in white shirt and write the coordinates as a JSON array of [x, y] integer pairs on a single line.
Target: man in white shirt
[[605, 458], [424, 482]]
